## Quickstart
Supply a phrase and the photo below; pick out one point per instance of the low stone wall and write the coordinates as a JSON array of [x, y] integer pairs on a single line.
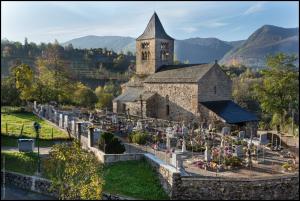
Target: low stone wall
[[168, 175], [43, 186], [31, 183], [274, 188]]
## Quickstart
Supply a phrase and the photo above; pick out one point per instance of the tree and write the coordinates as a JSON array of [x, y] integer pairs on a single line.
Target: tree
[[9, 93], [75, 172], [23, 76], [84, 96], [279, 87]]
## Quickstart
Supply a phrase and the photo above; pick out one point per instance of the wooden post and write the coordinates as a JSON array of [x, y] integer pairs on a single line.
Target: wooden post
[[6, 129], [22, 130]]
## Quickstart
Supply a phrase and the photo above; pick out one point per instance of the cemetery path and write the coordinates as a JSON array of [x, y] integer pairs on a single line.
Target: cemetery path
[[43, 150]]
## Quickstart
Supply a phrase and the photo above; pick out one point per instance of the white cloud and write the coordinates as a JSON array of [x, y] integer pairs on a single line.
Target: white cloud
[[258, 7]]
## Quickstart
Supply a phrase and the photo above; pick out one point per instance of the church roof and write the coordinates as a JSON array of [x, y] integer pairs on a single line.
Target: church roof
[[132, 94], [231, 112], [185, 73], [154, 29]]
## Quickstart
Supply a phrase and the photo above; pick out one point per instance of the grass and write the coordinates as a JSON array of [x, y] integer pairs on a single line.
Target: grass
[[11, 141], [135, 179], [14, 121], [21, 162]]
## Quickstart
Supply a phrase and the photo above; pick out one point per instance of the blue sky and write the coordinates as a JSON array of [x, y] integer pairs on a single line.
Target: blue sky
[[47, 21]]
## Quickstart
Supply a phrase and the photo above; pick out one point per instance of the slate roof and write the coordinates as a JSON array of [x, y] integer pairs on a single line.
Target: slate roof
[[154, 29], [132, 94], [188, 73], [231, 112]]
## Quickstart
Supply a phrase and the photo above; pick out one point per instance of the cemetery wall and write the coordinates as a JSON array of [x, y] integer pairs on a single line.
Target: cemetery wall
[[31, 183], [274, 188], [41, 185]]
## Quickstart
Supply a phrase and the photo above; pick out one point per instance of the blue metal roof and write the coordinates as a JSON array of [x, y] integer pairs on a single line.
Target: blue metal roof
[[231, 112]]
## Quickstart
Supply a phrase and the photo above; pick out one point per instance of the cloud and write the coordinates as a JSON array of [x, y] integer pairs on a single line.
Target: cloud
[[258, 7]]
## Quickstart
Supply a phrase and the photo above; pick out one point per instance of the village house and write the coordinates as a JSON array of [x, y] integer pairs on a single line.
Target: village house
[[189, 92]]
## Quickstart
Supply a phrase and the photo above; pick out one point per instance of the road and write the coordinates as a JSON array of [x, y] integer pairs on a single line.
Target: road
[[11, 192]]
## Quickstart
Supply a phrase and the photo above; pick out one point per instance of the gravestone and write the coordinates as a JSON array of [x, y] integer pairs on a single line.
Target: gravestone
[[183, 146], [225, 130], [207, 154], [263, 139], [73, 127], [239, 151], [241, 135], [61, 120], [34, 106], [66, 122]]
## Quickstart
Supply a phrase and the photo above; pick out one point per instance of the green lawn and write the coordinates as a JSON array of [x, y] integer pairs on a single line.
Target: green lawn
[[11, 125], [12, 141], [21, 162], [135, 179]]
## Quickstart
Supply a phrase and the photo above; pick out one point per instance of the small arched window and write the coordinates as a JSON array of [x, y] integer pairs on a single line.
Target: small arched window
[[167, 105], [215, 89]]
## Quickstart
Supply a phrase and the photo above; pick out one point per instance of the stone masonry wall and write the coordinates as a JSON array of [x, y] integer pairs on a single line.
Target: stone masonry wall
[[215, 78], [283, 187], [183, 100]]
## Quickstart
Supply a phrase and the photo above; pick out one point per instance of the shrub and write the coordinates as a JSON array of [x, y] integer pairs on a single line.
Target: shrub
[[233, 161], [110, 144], [138, 137], [74, 172]]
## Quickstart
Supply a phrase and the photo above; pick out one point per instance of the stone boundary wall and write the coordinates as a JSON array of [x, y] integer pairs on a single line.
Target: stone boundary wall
[[31, 183], [272, 188], [41, 185], [167, 174]]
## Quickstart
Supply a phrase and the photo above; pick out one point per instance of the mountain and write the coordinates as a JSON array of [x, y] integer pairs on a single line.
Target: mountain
[[267, 40], [116, 43], [195, 50], [252, 52], [201, 50]]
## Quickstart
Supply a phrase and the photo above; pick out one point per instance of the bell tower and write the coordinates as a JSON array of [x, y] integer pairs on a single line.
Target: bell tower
[[154, 48]]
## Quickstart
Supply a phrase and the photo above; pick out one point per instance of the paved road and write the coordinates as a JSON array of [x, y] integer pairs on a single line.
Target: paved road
[[11, 192]]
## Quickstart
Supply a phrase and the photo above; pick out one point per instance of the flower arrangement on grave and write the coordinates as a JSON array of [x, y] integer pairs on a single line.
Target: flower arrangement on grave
[[215, 153], [232, 161], [289, 166], [199, 164]]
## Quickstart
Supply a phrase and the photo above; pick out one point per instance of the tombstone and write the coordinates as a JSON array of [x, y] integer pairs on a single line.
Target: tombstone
[[176, 160], [61, 120], [168, 144], [225, 131], [73, 127], [183, 146], [97, 133], [207, 154], [239, 151], [34, 106], [66, 121], [114, 119], [263, 139], [241, 135]]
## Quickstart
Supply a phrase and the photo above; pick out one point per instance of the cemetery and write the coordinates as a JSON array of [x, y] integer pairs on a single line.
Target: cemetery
[[181, 152]]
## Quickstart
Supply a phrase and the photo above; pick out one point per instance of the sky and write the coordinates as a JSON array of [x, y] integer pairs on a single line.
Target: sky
[[229, 21]]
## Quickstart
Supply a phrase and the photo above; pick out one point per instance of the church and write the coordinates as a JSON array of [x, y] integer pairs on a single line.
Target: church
[[184, 92]]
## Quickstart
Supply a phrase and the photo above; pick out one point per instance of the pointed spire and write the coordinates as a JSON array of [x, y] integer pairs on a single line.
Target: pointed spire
[[154, 29]]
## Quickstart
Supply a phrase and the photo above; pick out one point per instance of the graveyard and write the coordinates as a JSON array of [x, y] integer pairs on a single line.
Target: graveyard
[[191, 149]]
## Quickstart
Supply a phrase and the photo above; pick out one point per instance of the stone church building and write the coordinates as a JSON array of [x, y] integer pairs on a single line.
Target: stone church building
[[184, 92]]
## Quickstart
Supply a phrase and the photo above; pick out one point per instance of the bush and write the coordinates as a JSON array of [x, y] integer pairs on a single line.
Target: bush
[[195, 148], [233, 161], [138, 137], [74, 172], [110, 144]]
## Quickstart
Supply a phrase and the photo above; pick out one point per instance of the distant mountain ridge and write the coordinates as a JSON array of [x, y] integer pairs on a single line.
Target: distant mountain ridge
[[267, 40], [252, 52]]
